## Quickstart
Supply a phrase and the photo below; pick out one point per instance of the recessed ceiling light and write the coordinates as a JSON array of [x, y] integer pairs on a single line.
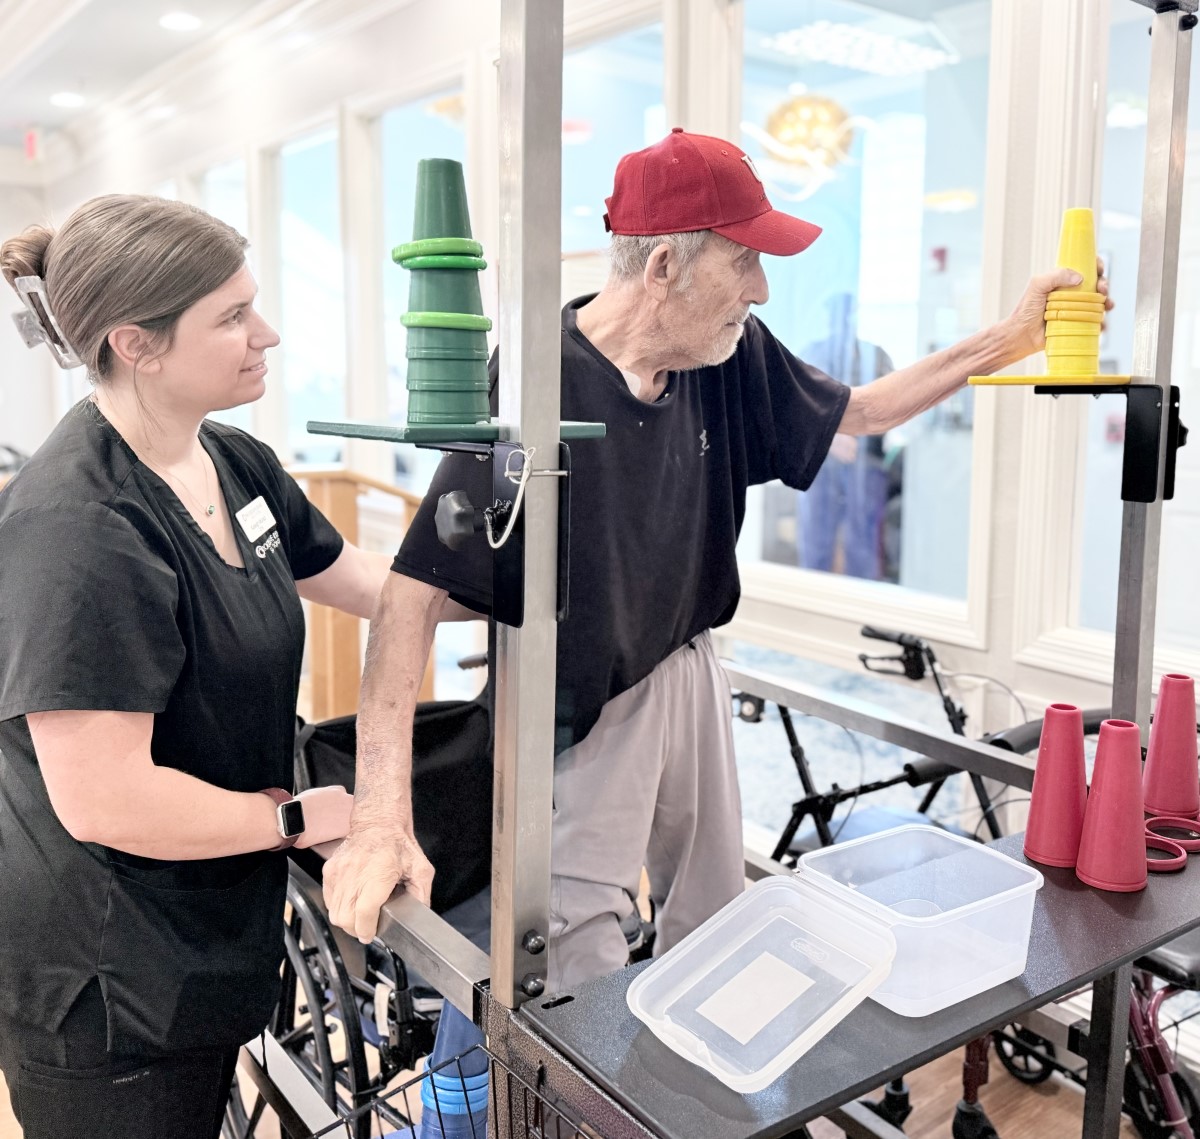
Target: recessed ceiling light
[[67, 99], [180, 22]]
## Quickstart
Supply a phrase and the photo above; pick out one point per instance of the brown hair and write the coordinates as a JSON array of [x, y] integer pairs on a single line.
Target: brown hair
[[124, 259]]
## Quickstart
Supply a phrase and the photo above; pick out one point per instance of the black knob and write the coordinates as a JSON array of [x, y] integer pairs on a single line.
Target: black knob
[[456, 519]]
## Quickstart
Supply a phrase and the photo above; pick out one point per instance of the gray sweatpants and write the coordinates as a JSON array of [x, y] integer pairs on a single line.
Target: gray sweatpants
[[653, 784]]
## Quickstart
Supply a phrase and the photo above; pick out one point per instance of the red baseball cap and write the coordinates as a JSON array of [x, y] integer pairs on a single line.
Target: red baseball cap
[[694, 181]]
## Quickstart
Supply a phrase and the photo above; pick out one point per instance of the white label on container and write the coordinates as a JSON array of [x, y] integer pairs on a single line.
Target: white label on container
[[747, 1003]]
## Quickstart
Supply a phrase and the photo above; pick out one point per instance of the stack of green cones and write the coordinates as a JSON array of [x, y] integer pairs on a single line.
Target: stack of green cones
[[447, 331]]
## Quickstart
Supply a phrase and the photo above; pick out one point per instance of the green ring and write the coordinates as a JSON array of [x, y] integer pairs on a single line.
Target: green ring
[[443, 261], [435, 245], [463, 321]]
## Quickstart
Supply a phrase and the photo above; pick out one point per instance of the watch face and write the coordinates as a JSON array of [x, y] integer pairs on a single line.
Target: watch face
[[291, 818]]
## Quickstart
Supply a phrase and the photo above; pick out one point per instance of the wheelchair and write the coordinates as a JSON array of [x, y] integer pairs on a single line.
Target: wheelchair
[[350, 1016]]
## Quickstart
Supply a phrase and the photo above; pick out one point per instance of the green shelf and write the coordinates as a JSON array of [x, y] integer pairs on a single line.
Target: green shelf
[[442, 432]]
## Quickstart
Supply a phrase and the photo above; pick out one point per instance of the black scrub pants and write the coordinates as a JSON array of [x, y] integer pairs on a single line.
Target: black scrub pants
[[66, 1085]]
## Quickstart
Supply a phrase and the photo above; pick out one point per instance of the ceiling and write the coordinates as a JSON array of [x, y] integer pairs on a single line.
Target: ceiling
[[94, 48]]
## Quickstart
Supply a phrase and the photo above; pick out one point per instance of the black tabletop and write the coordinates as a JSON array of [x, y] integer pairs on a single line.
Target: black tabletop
[[1078, 934]]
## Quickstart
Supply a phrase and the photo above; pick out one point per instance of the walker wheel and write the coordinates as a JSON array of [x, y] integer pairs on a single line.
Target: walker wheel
[[1024, 1054]]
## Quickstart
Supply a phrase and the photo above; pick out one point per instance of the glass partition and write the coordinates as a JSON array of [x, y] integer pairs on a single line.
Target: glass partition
[[870, 119]]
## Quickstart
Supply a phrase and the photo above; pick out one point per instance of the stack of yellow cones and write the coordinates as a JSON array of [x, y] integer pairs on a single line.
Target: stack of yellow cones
[[1074, 315]]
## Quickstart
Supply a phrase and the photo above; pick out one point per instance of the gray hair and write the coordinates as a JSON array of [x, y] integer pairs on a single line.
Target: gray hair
[[628, 253], [124, 259]]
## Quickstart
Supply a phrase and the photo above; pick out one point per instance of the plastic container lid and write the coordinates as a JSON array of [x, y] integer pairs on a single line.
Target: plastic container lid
[[919, 875], [763, 980]]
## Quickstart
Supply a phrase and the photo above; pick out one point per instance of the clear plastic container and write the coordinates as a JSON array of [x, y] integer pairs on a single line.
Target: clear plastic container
[[763, 980], [960, 913]]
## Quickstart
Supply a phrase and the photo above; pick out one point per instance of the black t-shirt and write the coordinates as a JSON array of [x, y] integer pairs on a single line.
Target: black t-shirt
[[112, 598], [656, 506]]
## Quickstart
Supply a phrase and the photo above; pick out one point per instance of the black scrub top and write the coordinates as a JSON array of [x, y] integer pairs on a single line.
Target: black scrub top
[[111, 597]]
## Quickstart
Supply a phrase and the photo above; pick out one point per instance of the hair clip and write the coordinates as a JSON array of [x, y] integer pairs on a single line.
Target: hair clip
[[32, 327]]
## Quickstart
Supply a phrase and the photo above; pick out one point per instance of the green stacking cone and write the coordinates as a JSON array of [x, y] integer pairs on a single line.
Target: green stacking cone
[[441, 200], [447, 332]]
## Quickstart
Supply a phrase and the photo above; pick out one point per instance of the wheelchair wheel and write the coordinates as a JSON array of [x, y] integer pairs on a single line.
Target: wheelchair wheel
[[327, 1007], [1145, 1109], [1024, 1054]]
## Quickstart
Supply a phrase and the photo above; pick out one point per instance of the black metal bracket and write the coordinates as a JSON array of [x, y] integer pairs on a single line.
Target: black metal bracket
[[1162, 7], [508, 562], [1143, 434]]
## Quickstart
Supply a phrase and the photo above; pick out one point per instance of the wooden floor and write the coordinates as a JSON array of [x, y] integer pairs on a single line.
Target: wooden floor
[[1053, 1110]]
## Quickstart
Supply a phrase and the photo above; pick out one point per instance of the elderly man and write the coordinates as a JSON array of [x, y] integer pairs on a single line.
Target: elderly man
[[701, 401]]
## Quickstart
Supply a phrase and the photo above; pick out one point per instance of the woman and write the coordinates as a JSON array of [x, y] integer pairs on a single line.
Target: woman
[[151, 570]]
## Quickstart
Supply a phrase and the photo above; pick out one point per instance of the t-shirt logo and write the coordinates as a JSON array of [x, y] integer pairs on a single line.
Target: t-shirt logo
[[753, 169], [703, 442], [272, 543]]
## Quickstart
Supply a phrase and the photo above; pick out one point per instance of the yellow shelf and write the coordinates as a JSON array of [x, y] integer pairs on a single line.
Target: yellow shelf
[[1049, 380]]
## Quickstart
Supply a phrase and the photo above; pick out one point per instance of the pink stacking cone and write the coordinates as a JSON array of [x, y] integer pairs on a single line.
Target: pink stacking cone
[[1171, 784], [1059, 789], [1112, 851]]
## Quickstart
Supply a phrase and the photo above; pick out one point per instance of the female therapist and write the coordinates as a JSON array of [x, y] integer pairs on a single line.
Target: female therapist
[[151, 570]]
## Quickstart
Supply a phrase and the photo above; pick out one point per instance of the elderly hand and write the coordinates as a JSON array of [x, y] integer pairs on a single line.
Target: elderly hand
[[375, 858], [1027, 324]]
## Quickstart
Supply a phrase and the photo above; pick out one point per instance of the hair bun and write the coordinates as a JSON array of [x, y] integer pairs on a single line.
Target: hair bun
[[25, 254]]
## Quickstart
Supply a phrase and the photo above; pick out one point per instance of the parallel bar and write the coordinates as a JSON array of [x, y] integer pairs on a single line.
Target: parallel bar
[[1154, 330], [759, 866], [1106, 1054], [860, 716], [530, 121], [426, 942]]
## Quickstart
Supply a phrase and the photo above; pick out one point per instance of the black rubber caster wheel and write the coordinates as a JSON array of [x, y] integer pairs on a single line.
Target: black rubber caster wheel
[[971, 1122]]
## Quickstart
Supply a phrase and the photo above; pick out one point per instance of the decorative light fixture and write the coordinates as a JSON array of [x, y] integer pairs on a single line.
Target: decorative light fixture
[[68, 99], [452, 108], [951, 201], [811, 130], [806, 137], [860, 49], [180, 22]]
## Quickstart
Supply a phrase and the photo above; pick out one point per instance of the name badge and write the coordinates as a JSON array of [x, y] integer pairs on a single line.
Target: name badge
[[255, 519]]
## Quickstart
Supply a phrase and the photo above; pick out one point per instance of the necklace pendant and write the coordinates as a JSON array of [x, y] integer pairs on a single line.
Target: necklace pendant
[[211, 509]]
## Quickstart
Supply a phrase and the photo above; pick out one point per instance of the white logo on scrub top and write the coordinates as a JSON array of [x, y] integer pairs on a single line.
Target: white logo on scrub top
[[272, 543]]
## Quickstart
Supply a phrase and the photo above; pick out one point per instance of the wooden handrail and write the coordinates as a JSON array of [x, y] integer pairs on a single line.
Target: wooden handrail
[[334, 637], [307, 471]]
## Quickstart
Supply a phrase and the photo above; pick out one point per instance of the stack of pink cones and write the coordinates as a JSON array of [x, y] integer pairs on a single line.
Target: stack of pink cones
[[1102, 833]]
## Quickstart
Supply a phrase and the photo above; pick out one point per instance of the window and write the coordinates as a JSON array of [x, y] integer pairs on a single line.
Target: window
[[612, 105], [312, 296], [1117, 237], [873, 125], [223, 194], [431, 127]]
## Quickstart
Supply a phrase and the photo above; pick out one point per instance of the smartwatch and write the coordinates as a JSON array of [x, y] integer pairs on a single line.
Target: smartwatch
[[289, 816]]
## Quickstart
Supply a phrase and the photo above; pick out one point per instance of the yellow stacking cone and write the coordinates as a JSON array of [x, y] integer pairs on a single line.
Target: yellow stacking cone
[[1074, 315]]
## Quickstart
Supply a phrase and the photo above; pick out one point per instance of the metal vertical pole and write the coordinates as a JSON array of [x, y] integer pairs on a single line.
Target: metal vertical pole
[[1154, 330], [530, 131]]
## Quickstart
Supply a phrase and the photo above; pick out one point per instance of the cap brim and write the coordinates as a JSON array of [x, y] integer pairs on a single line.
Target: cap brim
[[773, 232]]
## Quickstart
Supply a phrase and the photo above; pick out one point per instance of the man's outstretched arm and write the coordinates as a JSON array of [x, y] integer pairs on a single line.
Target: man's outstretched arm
[[381, 850], [895, 398]]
